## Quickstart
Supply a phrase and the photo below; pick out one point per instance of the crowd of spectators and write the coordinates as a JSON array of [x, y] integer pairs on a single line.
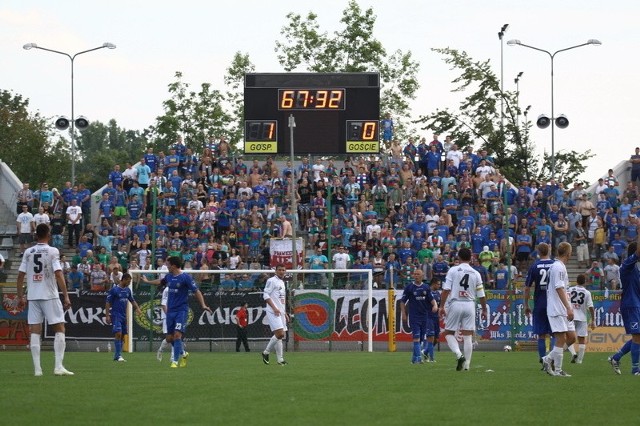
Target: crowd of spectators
[[411, 208]]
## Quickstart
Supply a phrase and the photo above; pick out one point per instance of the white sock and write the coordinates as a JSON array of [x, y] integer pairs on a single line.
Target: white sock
[[270, 345], [581, 350], [279, 350], [453, 345], [556, 355], [571, 349], [164, 345], [59, 346], [35, 351], [468, 349]]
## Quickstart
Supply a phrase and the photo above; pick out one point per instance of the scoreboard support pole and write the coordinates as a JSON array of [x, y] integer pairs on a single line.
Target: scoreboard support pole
[[294, 208]]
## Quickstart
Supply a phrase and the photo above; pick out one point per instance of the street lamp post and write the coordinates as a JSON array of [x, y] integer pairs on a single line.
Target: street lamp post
[[552, 57], [501, 34], [29, 46]]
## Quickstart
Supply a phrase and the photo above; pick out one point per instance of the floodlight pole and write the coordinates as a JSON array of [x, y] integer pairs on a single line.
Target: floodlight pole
[[294, 208], [72, 58], [552, 57]]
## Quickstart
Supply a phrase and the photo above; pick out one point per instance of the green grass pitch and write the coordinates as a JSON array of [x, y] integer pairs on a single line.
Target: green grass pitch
[[322, 388]]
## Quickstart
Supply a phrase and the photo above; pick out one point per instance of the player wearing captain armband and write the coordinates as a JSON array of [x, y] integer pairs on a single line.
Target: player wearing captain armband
[[116, 312], [420, 300], [462, 286]]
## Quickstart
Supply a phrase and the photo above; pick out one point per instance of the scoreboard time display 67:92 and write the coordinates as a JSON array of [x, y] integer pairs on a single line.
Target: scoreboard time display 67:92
[[335, 113]]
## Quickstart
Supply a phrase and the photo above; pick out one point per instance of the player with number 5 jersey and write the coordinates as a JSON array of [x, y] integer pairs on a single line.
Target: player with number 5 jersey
[[458, 306], [42, 269]]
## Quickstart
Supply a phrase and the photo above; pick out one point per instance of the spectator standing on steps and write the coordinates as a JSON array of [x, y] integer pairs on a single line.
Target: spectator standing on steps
[[26, 227], [74, 218]]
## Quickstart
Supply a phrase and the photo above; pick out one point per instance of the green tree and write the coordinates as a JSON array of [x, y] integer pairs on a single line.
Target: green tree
[[477, 122], [100, 146], [234, 80], [194, 115], [28, 143], [353, 48]]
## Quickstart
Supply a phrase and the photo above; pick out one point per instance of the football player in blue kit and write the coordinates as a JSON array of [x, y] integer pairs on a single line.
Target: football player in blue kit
[[418, 296], [538, 277], [179, 284], [116, 312], [630, 307], [433, 326]]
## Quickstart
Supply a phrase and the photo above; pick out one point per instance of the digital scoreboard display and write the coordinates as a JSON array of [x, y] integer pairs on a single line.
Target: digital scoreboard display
[[334, 113]]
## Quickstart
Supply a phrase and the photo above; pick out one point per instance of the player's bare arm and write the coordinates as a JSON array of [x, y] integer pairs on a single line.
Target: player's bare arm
[[562, 294], [483, 313], [20, 289], [443, 302], [403, 311], [202, 302], [527, 293], [107, 313], [62, 286]]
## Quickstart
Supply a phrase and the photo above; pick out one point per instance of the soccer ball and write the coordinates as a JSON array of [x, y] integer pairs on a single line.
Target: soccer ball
[[507, 348]]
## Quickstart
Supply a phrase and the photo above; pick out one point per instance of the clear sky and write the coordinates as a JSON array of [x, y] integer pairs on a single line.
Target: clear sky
[[594, 86]]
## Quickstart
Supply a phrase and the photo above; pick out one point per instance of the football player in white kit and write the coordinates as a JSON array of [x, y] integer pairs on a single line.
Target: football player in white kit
[[559, 312], [41, 267], [275, 294], [582, 303], [462, 286]]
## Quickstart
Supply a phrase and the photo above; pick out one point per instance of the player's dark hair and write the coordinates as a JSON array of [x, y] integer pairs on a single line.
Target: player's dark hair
[[126, 275], [632, 248], [434, 281], [280, 265], [42, 231], [581, 279], [175, 261], [464, 254]]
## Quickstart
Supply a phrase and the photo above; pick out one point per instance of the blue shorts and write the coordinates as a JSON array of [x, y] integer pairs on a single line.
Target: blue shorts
[[541, 323], [119, 324], [418, 328], [433, 327], [177, 321], [631, 318]]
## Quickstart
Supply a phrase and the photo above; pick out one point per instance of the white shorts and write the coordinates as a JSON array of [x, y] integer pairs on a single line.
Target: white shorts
[[460, 316], [560, 324], [49, 309], [276, 322], [581, 328], [582, 252]]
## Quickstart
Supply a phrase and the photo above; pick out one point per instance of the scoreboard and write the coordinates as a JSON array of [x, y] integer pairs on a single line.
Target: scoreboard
[[335, 113]]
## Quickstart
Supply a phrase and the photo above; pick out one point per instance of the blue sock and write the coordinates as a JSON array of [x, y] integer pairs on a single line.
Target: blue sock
[[552, 341], [416, 351], [117, 347], [623, 350], [542, 347], [430, 350], [635, 357], [177, 349]]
